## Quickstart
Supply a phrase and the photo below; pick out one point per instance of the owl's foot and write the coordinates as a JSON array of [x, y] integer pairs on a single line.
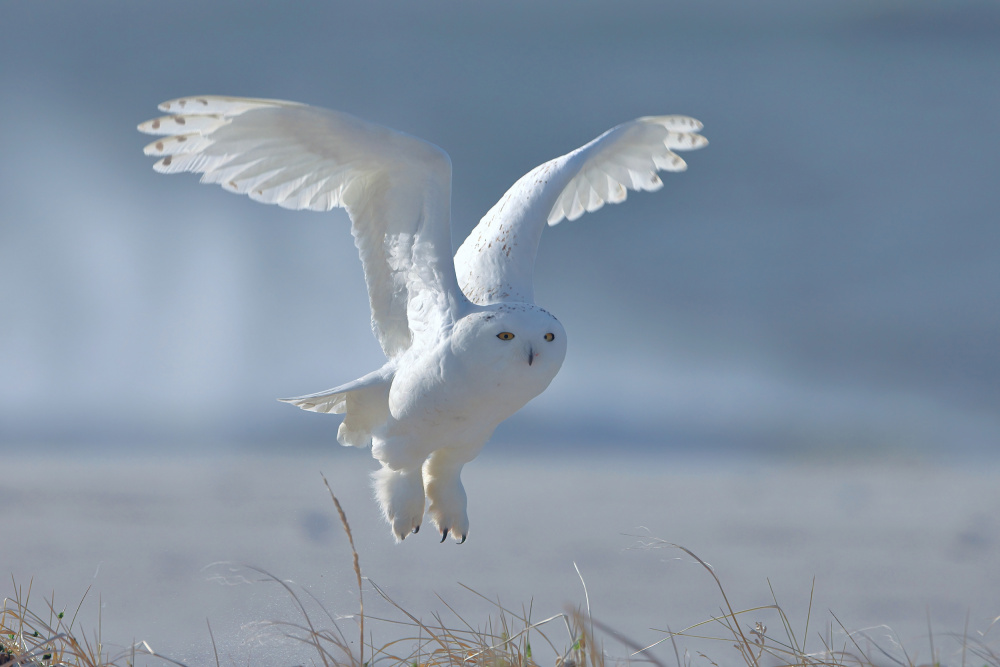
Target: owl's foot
[[400, 494], [443, 483], [454, 522], [444, 536]]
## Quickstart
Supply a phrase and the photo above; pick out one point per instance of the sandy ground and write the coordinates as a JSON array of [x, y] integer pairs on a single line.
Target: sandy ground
[[162, 544]]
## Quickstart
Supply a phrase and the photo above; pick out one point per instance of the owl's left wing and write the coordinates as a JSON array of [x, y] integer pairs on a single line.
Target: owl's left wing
[[496, 263]]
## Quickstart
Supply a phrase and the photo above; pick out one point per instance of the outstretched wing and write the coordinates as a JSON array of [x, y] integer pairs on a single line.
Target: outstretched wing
[[396, 189], [496, 263]]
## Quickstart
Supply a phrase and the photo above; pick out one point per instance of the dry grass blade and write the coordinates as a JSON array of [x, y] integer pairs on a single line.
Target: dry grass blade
[[634, 646], [744, 645], [512, 638], [357, 567], [215, 650], [410, 616], [503, 610], [314, 637]]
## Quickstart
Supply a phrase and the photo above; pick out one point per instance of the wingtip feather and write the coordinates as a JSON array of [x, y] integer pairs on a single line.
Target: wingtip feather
[[309, 406], [182, 124], [675, 123], [219, 104], [324, 403]]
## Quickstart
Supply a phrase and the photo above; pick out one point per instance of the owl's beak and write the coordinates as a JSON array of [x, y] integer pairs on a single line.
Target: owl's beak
[[531, 355]]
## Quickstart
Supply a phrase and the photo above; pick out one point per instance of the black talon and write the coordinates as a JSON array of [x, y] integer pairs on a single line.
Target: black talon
[[444, 535], [463, 539], [416, 530]]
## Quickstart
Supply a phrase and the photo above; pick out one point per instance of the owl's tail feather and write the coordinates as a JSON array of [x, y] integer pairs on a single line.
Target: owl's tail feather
[[363, 402]]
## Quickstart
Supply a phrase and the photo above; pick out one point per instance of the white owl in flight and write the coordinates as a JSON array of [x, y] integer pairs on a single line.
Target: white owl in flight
[[466, 345]]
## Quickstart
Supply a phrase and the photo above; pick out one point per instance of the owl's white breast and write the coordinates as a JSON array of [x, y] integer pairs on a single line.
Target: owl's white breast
[[459, 390]]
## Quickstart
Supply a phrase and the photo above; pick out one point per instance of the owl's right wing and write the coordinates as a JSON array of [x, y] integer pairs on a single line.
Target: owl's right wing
[[396, 189], [496, 263]]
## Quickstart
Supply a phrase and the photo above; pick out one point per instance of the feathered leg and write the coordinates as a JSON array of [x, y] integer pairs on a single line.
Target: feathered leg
[[400, 494], [443, 484]]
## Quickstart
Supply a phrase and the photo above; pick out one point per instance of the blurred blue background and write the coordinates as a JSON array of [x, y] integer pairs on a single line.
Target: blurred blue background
[[823, 281]]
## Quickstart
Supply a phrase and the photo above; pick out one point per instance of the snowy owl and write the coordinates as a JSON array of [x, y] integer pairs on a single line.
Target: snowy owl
[[466, 345]]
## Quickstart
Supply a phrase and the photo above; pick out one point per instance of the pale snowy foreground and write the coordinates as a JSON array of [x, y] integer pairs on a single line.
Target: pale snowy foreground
[[885, 543]]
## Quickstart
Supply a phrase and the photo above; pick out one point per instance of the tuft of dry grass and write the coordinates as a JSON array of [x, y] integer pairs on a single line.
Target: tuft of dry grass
[[838, 646], [741, 636], [28, 639]]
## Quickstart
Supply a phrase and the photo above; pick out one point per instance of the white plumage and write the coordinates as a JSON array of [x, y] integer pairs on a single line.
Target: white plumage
[[466, 345]]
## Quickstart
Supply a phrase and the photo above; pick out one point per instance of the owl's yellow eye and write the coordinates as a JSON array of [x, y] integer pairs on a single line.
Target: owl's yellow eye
[[550, 337], [505, 335]]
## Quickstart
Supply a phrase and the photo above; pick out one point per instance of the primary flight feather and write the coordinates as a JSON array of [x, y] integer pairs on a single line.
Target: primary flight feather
[[466, 345]]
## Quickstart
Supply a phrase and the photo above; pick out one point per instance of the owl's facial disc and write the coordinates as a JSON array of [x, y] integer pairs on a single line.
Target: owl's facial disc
[[518, 342], [548, 337]]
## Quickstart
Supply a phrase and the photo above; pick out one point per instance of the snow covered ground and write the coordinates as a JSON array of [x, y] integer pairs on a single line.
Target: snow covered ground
[[163, 544]]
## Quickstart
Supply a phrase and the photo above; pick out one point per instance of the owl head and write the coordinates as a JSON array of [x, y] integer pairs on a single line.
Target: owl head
[[518, 344]]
